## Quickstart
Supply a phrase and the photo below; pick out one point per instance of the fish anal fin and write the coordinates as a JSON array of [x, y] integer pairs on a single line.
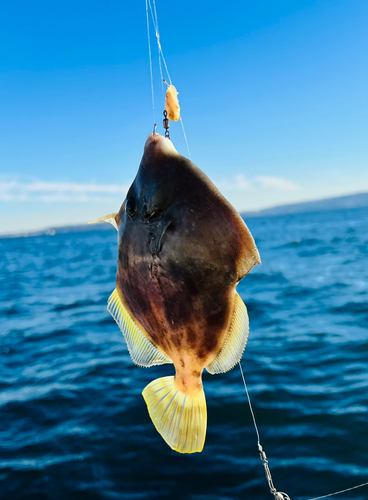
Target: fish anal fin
[[141, 350], [110, 219], [179, 418], [235, 341]]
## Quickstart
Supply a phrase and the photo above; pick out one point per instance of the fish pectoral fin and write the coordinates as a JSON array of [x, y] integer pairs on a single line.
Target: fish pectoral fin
[[235, 342], [110, 219], [179, 418], [141, 350]]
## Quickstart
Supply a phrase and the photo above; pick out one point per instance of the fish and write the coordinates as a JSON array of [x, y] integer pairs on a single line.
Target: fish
[[182, 250]]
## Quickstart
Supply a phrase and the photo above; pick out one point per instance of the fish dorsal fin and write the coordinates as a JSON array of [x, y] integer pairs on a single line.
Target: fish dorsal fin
[[141, 350], [235, 342], [110, 219]]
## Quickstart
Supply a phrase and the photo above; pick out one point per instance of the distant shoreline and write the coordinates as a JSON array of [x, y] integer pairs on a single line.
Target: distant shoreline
[[358, 200]]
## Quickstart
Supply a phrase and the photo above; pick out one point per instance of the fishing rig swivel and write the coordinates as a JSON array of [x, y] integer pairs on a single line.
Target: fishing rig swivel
[[279, 495], [166, 123]]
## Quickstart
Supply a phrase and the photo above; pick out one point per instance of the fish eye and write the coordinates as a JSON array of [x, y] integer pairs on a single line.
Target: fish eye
[[131, 207]]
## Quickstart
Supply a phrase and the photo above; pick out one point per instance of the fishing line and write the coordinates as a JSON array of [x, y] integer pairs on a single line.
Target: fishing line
[[279, 495], [159, 53], [150, 62], [341, 491], [250, 405], [154, 18], [185, 137], [155, 25]]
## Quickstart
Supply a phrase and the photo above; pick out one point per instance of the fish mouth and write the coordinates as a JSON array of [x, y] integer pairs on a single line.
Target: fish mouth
[[155, 245]]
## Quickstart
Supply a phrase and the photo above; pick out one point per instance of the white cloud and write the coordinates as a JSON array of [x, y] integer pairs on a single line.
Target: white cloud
[[58, 191], [241, 183], [42, 191], [276, 183], [237, 183]]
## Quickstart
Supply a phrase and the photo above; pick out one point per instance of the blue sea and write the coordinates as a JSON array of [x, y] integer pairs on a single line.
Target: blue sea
[[73, 423]]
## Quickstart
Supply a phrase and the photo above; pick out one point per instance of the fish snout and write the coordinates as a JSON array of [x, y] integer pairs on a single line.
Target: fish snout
[[157, 143]]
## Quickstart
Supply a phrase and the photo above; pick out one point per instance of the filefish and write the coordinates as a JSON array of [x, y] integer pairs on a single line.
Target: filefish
[[182, 251]]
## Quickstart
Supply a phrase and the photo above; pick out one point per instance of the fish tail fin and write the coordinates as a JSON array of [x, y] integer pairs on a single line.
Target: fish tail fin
[[181, 419]]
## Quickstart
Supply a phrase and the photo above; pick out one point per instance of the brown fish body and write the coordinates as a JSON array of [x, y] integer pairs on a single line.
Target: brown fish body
[[182, 251]]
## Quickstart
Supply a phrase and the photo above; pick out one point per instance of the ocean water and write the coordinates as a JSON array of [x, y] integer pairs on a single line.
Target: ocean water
[[73, 423]]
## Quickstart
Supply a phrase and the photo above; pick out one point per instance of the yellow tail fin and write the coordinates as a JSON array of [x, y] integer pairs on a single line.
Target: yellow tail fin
[[180, 419]]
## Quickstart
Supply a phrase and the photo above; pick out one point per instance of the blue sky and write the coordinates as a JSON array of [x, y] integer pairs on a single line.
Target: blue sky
[[273, 97]]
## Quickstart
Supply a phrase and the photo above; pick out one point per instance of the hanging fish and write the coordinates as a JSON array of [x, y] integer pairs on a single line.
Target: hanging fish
[[182, 251], [172, 103]]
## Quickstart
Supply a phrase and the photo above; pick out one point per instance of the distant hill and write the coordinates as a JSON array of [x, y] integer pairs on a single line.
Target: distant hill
[[337, 203], [51, 231]]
